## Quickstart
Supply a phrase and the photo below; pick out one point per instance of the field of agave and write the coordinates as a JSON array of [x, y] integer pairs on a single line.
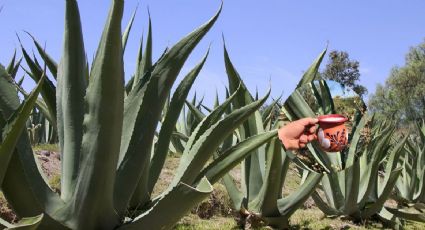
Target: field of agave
[[114, 138]]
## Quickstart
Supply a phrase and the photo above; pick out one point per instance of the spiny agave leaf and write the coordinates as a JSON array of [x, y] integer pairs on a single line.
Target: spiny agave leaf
[[207, 122], [352, 181], [254, 165], [136, 145], [235, 195], [92, 203], [216, 101], [20, 81], [323, 206], [233, 156], [334, 189], [269, 113], [354, 142], [176, 104], [393, 159], [171, 207], [327, 102], [145, 63], [269, 109], [288, 205], [383, 196], [295, 107], [197, 115], [71, 90], [206, 145], [129, 85], [270, 190], [418, 216], [15, 69], [13, 129], [11, 65], [128, 29], [311, 72], [40, 104], [50, 62], [48, 92], [26, 223]]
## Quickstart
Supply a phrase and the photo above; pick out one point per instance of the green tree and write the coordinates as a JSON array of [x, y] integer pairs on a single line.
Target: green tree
[[402, 97], [342, 69]]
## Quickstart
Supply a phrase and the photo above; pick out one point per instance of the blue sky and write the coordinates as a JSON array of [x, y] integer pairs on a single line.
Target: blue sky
[[270, 42]]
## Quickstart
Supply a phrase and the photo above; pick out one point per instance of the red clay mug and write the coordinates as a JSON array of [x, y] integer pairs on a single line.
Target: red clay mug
[[332, 134]]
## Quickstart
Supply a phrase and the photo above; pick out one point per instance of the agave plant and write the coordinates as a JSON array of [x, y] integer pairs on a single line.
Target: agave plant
[[410, 188], [264, 169], [351, 186], [106, 129]]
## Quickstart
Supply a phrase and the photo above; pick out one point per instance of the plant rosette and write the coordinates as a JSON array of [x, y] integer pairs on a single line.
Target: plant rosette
[[332, 133]]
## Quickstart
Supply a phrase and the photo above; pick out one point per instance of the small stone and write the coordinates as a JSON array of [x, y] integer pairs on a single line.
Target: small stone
[[45, 153]]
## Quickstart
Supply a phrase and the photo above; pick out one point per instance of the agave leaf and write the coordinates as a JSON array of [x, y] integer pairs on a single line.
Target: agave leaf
[[41, 105], [143, 123], [27, 223], [379, 203], [270, 190], [333, 190], [420, 217], [128, 29], [393, 159], [48, 92], [93, 198], [323, 206], [389, 219], [13, 129], [195, 113], [234, 155], [254, 165], [208, 142], [145, 62], [268, 111], [366, 185], [71, 89], [235, 195], [177, 203], [352, 181], [50, 62], [311, 72], [354, 142], [176, 104], [327, 102], [288, 205], [207, 122], [11, 65]]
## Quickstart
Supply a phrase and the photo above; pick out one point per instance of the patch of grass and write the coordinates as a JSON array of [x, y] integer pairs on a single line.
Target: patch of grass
[[55, 182], [46, 147], [193, 222]]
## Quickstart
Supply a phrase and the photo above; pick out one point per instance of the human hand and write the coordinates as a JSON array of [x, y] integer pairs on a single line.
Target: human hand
[[299, 133]]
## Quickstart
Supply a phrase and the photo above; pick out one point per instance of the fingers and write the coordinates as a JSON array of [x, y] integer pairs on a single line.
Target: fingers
[[308, 121], [312, 129], [305, 139]]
